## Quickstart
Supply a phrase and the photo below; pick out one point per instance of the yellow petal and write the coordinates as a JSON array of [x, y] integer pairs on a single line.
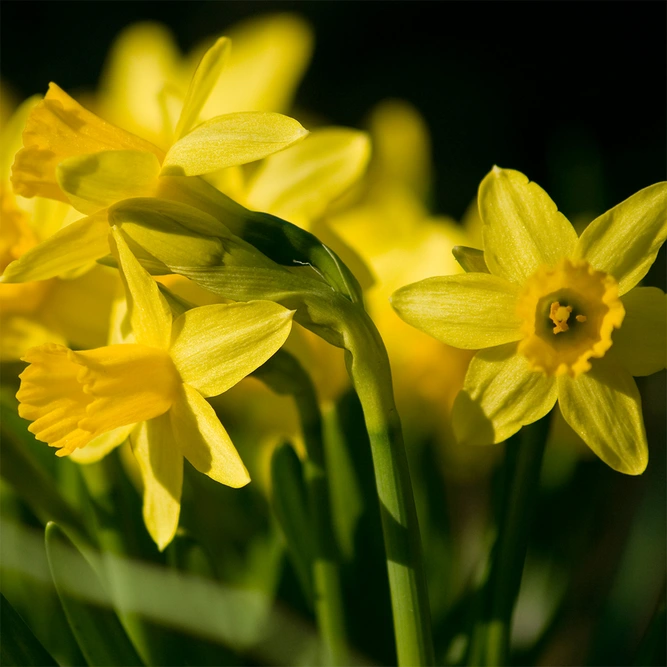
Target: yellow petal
[[269, 56], [298, 183], [401, 147], [53, 399], [161, 466], [625, 240], [500, 395], [149, 310], [142, 59], [522, 229], [79, 308], [470, 311], [59, 128], [100, 446], [97, 180], [216, 346], [603, 407], [230, 140], [204, 79], [640, 345], [204, 441], [74, 246], [18, 334]]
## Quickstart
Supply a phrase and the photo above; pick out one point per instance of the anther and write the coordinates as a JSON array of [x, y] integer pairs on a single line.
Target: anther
[[559, 315]]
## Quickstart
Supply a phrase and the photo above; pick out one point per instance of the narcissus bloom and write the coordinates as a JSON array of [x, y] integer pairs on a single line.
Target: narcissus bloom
[[555, 318], [71, 155], [153, 389]]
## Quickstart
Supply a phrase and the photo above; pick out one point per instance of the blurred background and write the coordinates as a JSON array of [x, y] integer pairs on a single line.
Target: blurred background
[[571, 94]]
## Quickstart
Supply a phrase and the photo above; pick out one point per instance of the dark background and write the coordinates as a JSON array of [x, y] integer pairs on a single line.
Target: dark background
[[570, 93]]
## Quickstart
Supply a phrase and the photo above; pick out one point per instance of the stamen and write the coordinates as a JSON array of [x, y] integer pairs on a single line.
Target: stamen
[[581, 318], [559, 315]]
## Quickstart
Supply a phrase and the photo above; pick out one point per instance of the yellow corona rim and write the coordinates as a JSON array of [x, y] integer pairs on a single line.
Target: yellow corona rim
[[568, 315]]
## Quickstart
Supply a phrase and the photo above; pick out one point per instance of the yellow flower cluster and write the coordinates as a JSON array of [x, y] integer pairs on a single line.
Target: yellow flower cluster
[[101, 200]]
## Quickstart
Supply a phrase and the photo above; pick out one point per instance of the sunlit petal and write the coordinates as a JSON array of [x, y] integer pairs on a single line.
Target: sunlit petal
[[522, 229], [625, 240], [149, 311], [640, 345], [230, 140], [603, 406], [161, 465], [216, 346], [204, 441], [501, 394], [470, 311]]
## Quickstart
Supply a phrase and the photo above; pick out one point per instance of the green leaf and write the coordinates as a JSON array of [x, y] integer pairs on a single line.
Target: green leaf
[[290, 503], [26, 475], [18, 645], [96, 627]]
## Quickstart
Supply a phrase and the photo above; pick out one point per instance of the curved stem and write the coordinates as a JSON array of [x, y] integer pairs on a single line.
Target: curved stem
[[369, 370]]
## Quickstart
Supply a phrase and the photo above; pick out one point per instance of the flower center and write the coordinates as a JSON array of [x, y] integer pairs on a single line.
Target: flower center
[[569, 313], [72, 397]]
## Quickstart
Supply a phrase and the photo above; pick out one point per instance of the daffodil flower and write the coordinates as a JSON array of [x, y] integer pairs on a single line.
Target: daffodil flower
[[72, 155], [153, 389], [555, 318]]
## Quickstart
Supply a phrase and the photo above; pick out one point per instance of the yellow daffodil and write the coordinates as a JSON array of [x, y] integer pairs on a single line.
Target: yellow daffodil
[[153, 389], [72, 155], [555, 318]]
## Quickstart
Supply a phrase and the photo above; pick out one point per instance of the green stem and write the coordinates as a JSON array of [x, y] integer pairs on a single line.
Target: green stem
[[284, 374], [369, 370], [522, 472], [326, 570]]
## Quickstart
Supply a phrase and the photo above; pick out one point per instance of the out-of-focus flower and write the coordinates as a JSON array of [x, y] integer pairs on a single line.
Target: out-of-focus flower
[[387, 223], [145, 78], [557, 318], [37, 312], [153, 389]]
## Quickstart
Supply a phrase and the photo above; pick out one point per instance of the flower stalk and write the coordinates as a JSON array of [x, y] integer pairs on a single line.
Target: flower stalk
[[346, 324], [285, 375], [368, 366], [523, 462]]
